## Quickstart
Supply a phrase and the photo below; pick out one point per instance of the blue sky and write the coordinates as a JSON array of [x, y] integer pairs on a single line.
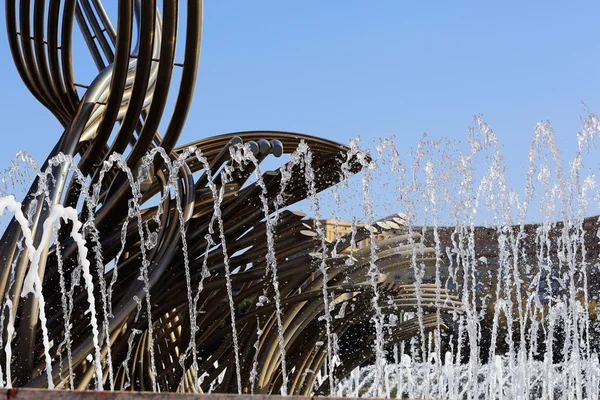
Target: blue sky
[[342, 69]]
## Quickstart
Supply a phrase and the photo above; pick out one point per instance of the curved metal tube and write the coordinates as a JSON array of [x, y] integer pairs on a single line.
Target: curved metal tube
[[160, 277]]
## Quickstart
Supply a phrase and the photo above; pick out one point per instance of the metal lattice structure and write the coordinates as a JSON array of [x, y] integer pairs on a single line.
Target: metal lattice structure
[[160, 345]]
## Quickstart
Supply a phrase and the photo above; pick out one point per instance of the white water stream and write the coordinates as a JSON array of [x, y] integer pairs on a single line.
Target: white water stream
[[477, 304]]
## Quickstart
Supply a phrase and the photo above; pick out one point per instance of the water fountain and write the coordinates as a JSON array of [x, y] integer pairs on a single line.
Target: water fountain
[[136, 264]]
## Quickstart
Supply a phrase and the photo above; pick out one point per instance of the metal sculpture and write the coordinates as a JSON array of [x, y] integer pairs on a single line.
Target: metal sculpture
[[163, 266]]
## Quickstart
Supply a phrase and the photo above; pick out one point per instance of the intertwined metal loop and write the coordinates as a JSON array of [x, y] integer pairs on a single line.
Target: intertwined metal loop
[[174, 232]]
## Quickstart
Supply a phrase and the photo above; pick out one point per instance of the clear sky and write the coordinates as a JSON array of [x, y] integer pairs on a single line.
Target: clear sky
[[346, 68]]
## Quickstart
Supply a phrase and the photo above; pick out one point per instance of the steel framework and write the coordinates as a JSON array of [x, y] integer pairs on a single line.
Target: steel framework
[[151, 340]]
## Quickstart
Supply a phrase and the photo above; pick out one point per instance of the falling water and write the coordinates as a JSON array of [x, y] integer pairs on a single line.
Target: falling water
[[306, 154], [133, 212], [218, 194], [471, 301], [243, 155], [173, 168], [373, 273], [33, 283]]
